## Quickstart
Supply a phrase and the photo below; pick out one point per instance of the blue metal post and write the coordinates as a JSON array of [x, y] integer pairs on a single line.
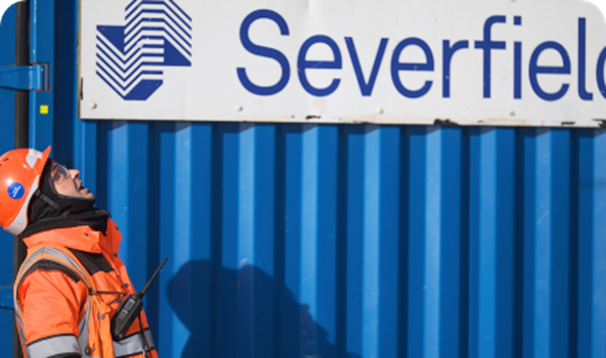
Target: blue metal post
[[42, 51]]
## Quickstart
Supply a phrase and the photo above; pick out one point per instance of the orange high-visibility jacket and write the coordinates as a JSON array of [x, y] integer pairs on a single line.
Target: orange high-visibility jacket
[[56, 313]]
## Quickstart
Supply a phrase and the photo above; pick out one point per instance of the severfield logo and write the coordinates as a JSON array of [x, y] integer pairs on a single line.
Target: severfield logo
[[131, 58]]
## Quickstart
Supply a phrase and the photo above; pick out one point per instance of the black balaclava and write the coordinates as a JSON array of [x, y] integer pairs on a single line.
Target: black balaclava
[[64, 206], [50, 210]]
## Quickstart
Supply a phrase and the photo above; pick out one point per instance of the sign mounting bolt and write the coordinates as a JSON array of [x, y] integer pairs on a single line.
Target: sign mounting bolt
[[238, 108], [379, 110], [512, 113], [92, 105]]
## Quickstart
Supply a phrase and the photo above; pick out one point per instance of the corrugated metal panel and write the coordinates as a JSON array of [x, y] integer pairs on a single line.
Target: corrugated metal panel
[[370, 241], [351, 241], [7, 142]]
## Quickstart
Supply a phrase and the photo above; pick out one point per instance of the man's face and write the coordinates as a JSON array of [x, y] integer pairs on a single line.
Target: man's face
[[67, 182]]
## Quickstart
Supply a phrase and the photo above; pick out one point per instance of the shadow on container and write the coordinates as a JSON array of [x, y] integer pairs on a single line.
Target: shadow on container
[[244, 313]]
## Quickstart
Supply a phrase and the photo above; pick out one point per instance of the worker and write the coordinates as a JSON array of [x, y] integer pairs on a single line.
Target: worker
[[72, 281]]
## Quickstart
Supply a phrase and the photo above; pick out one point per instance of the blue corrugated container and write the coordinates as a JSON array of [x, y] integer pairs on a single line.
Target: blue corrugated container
[[290, 240]]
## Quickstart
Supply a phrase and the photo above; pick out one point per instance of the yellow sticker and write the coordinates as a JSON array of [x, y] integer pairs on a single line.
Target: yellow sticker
[[43, 109]]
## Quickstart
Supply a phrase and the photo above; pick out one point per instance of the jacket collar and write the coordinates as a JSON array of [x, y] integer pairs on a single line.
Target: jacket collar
[[81, 238]]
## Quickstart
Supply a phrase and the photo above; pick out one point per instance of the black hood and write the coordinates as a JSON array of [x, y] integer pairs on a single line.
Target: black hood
[[50, 210], [64, 206]]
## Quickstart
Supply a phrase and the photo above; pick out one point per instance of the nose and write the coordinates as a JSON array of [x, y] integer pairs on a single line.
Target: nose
[[74, 173]]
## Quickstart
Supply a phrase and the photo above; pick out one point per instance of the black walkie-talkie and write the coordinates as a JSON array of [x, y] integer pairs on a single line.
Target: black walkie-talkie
[[130, 308]]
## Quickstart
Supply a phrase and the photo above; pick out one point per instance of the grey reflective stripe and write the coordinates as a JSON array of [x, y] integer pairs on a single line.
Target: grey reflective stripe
[[48, 347], [133, 344], [50, 251], [83, 328], [20, 324], [26, 263]]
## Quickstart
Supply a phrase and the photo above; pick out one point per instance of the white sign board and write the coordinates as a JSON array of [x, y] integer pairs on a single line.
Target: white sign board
[[469, 62]]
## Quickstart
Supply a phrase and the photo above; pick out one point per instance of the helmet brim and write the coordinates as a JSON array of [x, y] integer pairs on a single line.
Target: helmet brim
[[39, 166]]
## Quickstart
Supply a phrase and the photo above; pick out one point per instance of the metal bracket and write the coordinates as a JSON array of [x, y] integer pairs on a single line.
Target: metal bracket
[[28, 78], [6, 297]]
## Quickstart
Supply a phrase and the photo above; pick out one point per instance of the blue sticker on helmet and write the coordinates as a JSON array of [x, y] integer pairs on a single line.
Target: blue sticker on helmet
[[16, 191]]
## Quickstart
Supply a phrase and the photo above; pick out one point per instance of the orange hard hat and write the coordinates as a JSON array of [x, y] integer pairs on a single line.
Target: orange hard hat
[[20, 172]]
